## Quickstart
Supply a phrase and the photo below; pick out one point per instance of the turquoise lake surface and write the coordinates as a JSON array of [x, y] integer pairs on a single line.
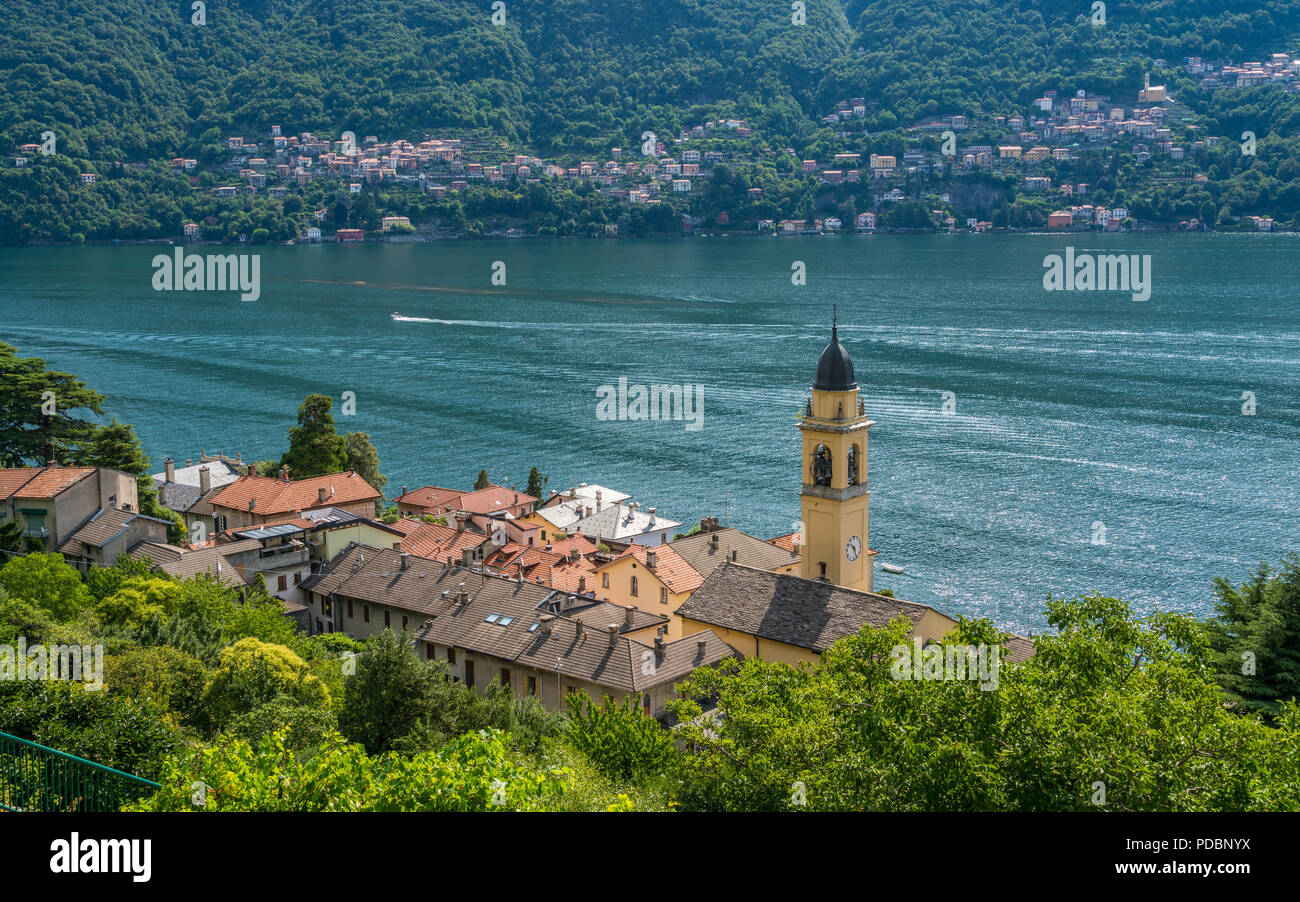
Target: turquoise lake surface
[[1071, 410]]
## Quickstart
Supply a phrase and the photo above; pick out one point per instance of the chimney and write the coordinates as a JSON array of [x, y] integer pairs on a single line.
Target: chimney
[[597, 499], [320, 495], [239, 457], [574, 554], [205, 481], [588, 510], [169, 468], [548, 624], [733, 554], [406, 559], [713, 541], [651, 512], [613, 633], [466, 556], [403, 490], [250, 470], [629, 615], [582, 584], [700, 646], [460, 521], [659, 646], [516, 501], [190, 460], [650, 559], [252, 503]]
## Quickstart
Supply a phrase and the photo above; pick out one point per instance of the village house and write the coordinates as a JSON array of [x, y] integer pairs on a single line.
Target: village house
[[109, 534], [489, 629], [653, 579], [252, 500], [53, 502], [560, 514], [434, 500]]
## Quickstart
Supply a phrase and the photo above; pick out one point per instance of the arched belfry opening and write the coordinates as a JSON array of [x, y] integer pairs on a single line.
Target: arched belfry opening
[[822, 468]]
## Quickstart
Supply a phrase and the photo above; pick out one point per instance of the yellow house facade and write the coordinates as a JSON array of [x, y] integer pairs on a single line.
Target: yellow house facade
[[654, 579]]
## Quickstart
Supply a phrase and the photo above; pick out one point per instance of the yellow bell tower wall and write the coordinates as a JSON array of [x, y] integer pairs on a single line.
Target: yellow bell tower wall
[[834, 498]]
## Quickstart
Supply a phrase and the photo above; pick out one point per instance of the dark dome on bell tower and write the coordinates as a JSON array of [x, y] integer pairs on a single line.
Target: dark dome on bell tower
[[835, 368]]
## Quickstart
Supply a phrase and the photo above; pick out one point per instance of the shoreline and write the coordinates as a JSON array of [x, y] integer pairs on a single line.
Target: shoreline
[[380, 239]]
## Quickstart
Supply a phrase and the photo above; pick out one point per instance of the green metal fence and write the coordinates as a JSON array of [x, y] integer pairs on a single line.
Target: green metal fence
[[36, 778]]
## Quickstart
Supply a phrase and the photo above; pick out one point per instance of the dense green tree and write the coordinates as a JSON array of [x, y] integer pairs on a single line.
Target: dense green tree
[[36, 410], [482, 481], [11, 539], [618, 738], [167, 677], [364, 458], [106, 727], [46, 581], [391, 691], [847, 734], [537, 484], [474, 773], [315, 449], [1256, 637], [252, 673]]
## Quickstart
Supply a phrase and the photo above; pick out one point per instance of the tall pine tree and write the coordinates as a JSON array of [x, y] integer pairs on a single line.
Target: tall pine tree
[[315, 449]]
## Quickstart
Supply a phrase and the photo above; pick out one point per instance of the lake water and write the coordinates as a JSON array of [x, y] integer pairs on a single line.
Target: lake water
[[1071, 408]]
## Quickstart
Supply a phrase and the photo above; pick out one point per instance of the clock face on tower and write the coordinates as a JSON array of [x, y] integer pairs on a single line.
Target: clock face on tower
[[853, 548]]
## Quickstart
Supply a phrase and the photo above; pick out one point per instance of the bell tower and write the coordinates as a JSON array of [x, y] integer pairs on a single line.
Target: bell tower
[[834, 463]]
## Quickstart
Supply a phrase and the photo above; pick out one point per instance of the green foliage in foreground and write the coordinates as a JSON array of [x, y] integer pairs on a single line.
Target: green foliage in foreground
[[1256, 637], [473, 773], [1114, 713], [622, 742]]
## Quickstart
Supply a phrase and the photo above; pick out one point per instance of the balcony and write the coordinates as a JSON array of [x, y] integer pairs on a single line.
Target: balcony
[[281, 551]]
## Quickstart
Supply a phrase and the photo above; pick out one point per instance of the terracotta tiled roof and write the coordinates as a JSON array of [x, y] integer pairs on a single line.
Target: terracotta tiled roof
[[275, 496], [435, 541], [572, 576], [732, 545], [40, 482], [670, 567], [493, 498], [806, 613], [786, 542], [430, 496], [564, 546], [14, 478]]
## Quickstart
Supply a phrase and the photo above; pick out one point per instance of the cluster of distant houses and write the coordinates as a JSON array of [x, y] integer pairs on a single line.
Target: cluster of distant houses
[[584, 591]]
